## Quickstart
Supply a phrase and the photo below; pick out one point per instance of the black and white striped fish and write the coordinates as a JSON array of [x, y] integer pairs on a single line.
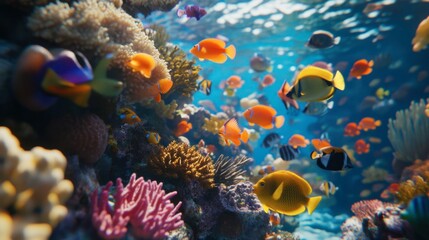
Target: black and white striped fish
[[287, 152]]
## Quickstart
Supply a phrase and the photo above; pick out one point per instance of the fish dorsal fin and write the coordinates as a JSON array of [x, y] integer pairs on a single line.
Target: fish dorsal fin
[[315, 71], [303, 184], [213, 41], [278, 193], [232, 125]]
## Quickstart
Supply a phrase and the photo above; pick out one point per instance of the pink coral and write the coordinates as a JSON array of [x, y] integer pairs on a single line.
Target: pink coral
[[142, 203], [367, 208]]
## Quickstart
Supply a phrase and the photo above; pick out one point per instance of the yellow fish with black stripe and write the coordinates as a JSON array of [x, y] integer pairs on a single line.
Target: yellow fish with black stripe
[[314, 84], [285, 192]]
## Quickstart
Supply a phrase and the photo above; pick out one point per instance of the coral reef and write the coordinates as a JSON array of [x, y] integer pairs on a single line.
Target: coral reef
[[239, 197], [230, 171], [146, 7], [85, 135], [32, 189], [374, 174], [178, 160], [161, 109], [409, 132], [352, 229], [419, 168], [319, 225], [411, 188], [141, 203], [98, 28], [214, 123]]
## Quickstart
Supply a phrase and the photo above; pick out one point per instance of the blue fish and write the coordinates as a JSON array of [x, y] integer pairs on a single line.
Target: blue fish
[[192, 11]]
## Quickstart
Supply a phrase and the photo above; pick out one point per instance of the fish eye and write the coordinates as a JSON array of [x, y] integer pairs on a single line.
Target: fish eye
[[262, 184]]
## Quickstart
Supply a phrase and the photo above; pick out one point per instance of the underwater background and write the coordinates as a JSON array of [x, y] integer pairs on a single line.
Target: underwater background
[[113, 128]]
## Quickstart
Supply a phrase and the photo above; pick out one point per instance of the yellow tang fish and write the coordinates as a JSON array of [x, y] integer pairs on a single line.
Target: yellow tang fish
[[285, 192]]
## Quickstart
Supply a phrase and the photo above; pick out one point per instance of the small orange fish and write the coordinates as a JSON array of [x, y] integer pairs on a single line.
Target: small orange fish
[[320, 143], [143, 63], [360, 68], [128, 116], [267, 81], [263, 116], [351, 129], [361, 146], [267, 169], [231, 132], [162, 87], [287, 101], [234, 82], [182, 128], [214, 50], [275, 219], [369, 123], [297, 140]]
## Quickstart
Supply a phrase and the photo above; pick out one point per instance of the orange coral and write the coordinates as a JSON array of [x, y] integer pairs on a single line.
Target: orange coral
[[412, 188], [178, 160]]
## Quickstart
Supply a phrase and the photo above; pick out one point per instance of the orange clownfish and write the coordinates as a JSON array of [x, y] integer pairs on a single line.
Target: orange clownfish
[[263, 116], [214, 50], [297, 140], [360, 68], [128, 116], [162, 87], [182, 128], [267, 169], [234, 82], [143, 63], [361, 146], [231, 132], [369, 123], [351, 129]]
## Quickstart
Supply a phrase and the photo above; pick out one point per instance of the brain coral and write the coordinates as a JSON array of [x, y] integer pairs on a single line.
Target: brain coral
[[178, 160], [98, 28], [84, 135]]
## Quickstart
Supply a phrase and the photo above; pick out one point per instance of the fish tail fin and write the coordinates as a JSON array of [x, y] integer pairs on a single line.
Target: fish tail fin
[[337, 40], [279, 121], [339, 81], [230, 51], [180, 12], [378, 123], [371, 63], [244, 136], [330, 104], [312, 203], [101, 83]]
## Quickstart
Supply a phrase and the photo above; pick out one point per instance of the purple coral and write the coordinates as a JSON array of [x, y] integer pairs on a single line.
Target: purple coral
[[239, 197], [142, 203]]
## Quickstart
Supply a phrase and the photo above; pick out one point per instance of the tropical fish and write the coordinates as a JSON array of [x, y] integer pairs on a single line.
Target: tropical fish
[[275, 219], [161, 87], [263, 116], [417, 214], [234, 82], [128, 116], [285, 192], [287, 102], [321, 39], [205, 86], [332, 159], [271, 140], [214, 50], [318, 108], [267, 81], [297, 140], [266, 170], [231, 132], [315, 84], [229, 92], [351, 129], [192, 11], [381, 93], [421, 39], [361, 146], [260, 63], [182, 128], [153, 137], [320, 143], [369, 123], [287, 152], [361, 67], [143, 63], [328, 188]]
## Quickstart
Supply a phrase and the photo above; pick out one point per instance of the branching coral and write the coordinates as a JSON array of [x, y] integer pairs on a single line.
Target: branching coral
[[409, 133], [213, 124], [230, 171], [141, 203], [161, 109], [178, 160], [411, 188], [32, 189], [98, 28], [146, 7], [374, 174]]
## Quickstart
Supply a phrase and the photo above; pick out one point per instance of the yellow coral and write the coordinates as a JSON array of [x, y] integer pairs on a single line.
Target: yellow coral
[[98, 28], [32, 188], [161, 109], [374, 174], [412, 188], [213, 124], [178, 160]]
